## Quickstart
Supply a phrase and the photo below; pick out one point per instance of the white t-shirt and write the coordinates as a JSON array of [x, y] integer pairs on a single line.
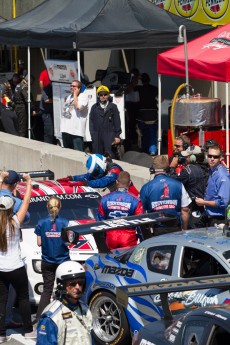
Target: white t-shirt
[[11, 260], [185, 199], [73, 121]]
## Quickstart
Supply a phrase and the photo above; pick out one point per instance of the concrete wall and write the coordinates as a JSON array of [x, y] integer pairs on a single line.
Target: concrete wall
[[23, 154]]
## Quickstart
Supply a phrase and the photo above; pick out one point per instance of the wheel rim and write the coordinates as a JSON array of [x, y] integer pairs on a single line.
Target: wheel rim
[[107, 319]]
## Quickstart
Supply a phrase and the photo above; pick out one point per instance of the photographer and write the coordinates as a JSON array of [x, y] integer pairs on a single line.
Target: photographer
[[194, 176], [177, 162]]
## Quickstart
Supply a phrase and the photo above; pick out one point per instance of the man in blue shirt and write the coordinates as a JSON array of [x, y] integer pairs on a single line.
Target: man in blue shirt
[[217, 193]]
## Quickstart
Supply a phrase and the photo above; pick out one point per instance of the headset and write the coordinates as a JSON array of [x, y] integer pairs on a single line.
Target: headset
[[184, 139]]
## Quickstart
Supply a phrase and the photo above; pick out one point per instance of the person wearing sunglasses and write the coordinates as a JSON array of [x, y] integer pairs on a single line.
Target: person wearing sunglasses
[[67, 320], [104, 124], [74, 116], [217, 193]]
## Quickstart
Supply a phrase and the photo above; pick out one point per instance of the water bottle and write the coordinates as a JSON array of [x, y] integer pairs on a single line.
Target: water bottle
[[228, 212]]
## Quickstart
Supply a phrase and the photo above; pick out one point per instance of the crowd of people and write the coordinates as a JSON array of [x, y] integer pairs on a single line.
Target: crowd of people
[[193, 186]]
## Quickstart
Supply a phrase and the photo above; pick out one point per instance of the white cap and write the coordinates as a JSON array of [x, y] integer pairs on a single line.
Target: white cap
[[6, 202], [191, 150]]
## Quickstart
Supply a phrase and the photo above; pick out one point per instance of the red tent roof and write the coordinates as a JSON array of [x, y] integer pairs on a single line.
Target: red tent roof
[[208, 57]]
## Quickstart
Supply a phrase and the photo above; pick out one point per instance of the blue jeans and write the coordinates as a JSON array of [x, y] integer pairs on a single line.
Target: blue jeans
[[73, 142], [149, 137]]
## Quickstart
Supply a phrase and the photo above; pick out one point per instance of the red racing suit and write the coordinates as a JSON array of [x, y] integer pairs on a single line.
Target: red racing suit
[[118, 204]]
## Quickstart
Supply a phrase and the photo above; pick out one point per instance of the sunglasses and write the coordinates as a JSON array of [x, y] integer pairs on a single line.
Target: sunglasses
[[103, 94], [77, 282], [214, 156], [75, 86], [177, 145]]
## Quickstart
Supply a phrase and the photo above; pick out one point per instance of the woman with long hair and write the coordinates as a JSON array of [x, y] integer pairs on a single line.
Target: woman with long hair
[[12, 269]]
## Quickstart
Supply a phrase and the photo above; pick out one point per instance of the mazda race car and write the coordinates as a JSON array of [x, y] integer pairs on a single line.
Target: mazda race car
[[185, 254], [79, 205], [204, 326]]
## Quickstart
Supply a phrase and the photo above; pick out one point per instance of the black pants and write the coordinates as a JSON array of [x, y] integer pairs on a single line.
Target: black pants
[[48, 274], [74, 142], [19, 280], [9, 121], [47, 119]]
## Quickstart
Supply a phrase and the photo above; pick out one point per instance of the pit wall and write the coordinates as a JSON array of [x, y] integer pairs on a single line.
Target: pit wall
[[23, 154]]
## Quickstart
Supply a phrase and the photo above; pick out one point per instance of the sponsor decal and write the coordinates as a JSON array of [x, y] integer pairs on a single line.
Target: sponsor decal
[[164, 4], [164, 204], [186, 8], [208, 312], [188, 299], [124, 272], [67, 315], [215, 9], [91, 196], [60, 196], [104, 285], [222, 41], [70, 235], [111, 224], [83, 244], [53, 234], [138, 255]]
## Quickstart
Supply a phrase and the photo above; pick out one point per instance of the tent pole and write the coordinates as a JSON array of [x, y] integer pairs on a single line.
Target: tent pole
[[159, 115], [29, 92], [227, 123], [78, 66], [125, 61]]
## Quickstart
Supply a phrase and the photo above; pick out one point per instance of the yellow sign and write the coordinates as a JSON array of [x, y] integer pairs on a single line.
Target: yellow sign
[[212, 12]]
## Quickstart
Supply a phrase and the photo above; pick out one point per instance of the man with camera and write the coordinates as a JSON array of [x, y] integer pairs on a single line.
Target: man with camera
[[194, 176], [177, 162]]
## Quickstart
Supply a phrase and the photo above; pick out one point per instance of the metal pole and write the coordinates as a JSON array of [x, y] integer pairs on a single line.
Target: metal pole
[[29, 93], [183, 38], [159, 115]]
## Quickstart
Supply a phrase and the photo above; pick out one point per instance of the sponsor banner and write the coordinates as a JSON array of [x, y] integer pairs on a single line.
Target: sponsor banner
[[212, 12]]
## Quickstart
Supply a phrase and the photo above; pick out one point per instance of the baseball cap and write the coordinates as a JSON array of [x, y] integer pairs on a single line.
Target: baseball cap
[[160, 162], [6, 202], [12, 178], [191, 150]]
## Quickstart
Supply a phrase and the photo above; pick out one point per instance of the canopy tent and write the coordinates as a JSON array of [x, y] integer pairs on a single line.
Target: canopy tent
[[97, 24], [208, 59]]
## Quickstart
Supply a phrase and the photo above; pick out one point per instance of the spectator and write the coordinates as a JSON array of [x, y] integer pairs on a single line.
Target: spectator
[[44, 79], [12, 269], [14, 82], [217, 194], [102, 173], [148, 114], [165, 194], [118, 204], [9, 119], [67, 320], [54, 249], [46, 111], [21, 105], [8, 187], [132, 100], [104, 123], [73, 119]]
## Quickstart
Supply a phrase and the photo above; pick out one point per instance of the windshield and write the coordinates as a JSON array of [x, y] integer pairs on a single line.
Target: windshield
[[74, 207]]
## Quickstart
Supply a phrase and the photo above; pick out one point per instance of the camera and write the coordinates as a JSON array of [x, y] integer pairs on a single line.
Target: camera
[[181, 159]]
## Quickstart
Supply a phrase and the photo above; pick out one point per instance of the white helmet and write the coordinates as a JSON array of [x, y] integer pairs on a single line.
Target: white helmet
[[68, 270]]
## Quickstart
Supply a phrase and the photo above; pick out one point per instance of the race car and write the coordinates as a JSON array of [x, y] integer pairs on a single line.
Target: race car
[[203, 326], [184, 254], [79, 206]]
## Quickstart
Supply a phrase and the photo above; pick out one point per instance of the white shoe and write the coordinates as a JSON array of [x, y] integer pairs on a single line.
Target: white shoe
[[31, 335], [4, 339]]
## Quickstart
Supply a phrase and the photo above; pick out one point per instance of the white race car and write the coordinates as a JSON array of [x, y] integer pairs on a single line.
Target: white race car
[[79, 205]]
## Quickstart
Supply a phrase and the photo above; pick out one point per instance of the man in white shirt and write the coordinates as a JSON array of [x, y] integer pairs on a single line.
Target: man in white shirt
[[73, 119]]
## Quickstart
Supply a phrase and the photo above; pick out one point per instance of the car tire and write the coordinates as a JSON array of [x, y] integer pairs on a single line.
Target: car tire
[[110, 325]]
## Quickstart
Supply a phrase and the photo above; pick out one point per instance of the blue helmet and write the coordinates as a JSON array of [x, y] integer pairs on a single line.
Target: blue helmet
[[96, 164]]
